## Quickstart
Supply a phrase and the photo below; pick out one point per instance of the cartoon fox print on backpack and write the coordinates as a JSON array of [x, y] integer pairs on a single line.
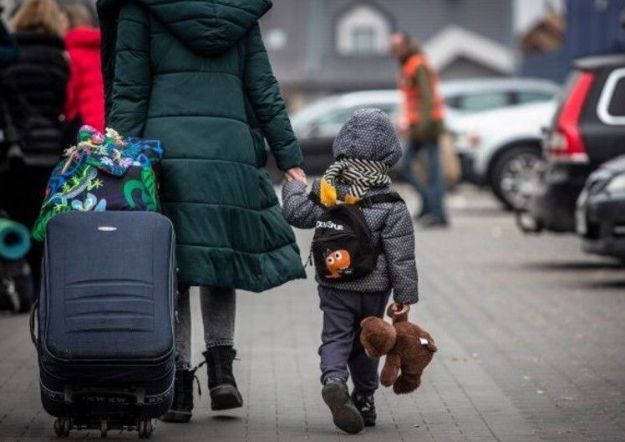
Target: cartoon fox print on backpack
[[342, 247]]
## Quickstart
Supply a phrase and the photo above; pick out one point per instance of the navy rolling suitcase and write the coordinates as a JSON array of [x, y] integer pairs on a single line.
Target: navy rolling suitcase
[[105, 320]]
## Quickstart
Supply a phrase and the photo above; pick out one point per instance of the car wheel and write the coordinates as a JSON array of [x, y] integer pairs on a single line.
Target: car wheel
[[513, 173]]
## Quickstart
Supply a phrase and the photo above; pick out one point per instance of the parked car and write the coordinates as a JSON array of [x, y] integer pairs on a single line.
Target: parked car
[[318, 124], [600, 215], [502, 148], [587, 130]]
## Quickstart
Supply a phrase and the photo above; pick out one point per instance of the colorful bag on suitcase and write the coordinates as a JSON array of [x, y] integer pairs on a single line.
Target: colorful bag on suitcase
[[105, 321], [102, 172]]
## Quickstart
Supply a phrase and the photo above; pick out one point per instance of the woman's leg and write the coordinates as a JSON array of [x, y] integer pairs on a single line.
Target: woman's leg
[[183, 329], [182, 406], [218, 315]]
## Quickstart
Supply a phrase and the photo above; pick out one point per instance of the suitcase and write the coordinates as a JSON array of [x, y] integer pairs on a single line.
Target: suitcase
[[105, 321]]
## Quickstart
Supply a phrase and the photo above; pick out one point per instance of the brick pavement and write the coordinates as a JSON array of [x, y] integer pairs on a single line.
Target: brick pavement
[[530, 331]]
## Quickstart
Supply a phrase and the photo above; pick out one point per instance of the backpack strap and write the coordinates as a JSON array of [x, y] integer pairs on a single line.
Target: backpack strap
[[391, 197]]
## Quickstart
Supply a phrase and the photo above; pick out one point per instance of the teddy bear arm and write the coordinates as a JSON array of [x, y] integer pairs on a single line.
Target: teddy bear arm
[[390, 370]]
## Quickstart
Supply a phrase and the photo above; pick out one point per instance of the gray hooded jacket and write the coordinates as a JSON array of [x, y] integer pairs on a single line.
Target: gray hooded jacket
[[367, 135]]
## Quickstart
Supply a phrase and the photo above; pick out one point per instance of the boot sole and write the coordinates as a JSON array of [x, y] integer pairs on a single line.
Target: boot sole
[[225, 397], [344, 413], [176, 417]]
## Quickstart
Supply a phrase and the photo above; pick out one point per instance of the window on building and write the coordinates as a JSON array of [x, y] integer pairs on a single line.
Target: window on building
[[363, 31]]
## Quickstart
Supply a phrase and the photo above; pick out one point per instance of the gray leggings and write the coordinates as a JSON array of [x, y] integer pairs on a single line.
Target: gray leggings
[[218, 314]]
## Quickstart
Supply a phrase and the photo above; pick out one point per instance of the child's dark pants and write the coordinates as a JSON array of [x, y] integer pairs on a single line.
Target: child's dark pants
[[341, 348]]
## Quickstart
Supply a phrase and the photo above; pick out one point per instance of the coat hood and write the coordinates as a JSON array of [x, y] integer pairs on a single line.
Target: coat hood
[[205, 26], [83, 37], [368, 135]]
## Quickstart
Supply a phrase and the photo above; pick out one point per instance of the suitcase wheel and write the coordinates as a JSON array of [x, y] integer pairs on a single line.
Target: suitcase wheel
[[145, 428], [62, 426]]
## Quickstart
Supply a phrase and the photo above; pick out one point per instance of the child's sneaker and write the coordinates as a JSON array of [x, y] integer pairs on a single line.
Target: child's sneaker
[[344, 413], [365, 403]]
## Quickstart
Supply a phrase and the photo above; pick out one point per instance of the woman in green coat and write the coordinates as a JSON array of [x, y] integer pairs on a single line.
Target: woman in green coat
[[195, 75]]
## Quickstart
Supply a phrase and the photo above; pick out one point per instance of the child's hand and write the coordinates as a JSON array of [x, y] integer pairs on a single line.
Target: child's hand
[[396, 310]]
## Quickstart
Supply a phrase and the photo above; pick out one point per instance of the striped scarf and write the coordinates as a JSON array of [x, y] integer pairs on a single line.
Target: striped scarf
[[360, 175]]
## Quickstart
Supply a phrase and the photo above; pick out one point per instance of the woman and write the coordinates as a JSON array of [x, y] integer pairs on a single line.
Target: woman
[[85, 93], [196, 76], [35, 87]]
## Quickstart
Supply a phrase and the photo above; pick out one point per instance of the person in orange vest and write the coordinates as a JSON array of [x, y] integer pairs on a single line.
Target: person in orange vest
[[421, 120]]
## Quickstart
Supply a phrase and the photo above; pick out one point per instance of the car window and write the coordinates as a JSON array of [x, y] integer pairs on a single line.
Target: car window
[[329, 125], [611, 106], [484, 101], [617, 103], [524, 97]]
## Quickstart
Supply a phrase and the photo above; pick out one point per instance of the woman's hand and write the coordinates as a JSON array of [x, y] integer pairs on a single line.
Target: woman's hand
[[297, 174], [397, 310]]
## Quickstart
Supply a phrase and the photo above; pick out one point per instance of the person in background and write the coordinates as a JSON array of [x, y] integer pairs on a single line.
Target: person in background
[[85, 92], [9, 53], [422, 121], [35, 88]]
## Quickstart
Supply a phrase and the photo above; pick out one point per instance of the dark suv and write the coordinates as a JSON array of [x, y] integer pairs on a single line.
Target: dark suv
[[587, 130]]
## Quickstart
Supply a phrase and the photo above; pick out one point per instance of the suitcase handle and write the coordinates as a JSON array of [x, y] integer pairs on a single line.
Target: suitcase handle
[[32, 321]]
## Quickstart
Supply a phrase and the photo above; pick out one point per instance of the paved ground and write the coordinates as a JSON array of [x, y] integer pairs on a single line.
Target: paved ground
[[531, 332]]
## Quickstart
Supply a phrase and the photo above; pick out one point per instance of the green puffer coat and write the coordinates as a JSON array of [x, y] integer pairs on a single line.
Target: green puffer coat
[[195, 75]]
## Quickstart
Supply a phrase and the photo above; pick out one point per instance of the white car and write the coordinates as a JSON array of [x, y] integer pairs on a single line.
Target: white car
[[502, 148], [317, 124]]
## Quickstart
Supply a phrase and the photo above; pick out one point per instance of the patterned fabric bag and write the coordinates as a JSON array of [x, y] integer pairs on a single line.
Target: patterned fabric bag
[[102, 172]]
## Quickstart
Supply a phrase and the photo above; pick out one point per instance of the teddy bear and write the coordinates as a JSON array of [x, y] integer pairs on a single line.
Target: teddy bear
[[408, 349]]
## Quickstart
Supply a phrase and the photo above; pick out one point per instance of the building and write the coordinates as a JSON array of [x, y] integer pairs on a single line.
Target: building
[[589, 28], [327, 46]]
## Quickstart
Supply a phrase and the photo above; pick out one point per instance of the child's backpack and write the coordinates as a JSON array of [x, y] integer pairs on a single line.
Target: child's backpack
[[342, 246]]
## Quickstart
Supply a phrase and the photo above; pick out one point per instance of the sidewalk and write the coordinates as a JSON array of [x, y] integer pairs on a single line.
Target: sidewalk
[[531, 344]]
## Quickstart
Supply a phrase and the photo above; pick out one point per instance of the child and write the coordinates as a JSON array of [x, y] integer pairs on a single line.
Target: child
[[365, 150]]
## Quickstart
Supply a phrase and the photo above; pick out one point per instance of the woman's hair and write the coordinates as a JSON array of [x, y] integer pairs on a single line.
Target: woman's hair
[[39, 15], [78, 15]]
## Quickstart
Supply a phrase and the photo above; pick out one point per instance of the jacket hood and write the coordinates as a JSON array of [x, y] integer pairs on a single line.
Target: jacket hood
[[368, 135], [83, 37], [205, 26]]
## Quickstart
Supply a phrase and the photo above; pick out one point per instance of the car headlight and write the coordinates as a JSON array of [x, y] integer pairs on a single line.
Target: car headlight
[[616, 184]]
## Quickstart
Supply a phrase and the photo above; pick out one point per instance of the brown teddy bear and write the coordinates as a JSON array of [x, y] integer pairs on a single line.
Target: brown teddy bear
[[408, 348]]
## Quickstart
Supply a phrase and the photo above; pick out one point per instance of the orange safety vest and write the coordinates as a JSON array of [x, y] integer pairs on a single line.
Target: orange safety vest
[[412, 108]]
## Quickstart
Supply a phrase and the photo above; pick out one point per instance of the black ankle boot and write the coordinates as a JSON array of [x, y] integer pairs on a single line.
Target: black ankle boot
[[366, 406], [221, 383], [181, 409], [344, 413]]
